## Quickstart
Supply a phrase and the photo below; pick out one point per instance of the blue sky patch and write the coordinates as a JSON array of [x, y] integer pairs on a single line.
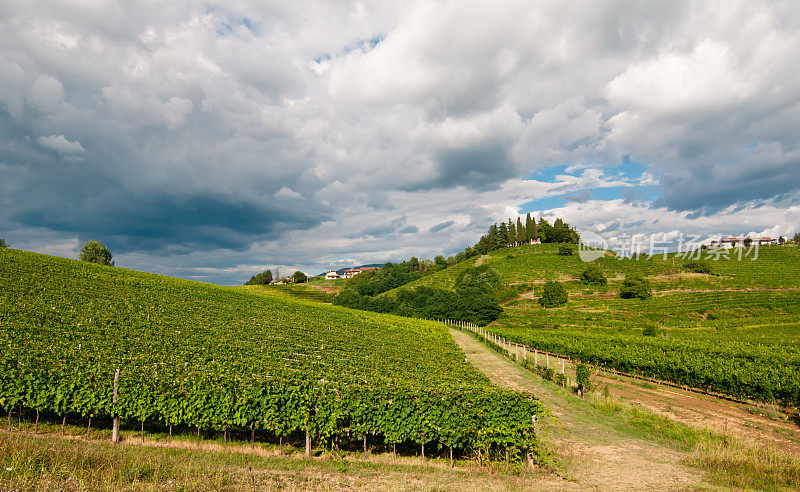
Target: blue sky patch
[[628, 170]]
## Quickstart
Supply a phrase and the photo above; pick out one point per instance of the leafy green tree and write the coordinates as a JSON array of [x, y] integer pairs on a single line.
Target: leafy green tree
[[96, 252], [563, 233], [554, 295], [565, 250], [3, 243], [546, 233], [583, 376], [592, 275], [635, 287], [299, 277], [482, 278], [796, 238], [262, 278], [495, 237], [698, 266], [747, 242], [439, 262], [503, 232]]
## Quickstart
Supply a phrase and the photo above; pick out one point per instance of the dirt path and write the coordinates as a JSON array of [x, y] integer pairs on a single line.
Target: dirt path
[[595, 449], [706, 412]]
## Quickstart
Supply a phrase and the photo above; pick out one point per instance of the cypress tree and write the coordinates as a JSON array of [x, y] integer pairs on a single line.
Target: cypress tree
[[520, 232], [530, 228], [512, 233]]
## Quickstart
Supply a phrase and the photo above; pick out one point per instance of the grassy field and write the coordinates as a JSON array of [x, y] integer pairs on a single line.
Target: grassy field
[[42, 462]]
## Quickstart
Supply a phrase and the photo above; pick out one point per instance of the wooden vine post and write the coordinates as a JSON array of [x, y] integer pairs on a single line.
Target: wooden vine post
[[115, 424], [308, 443]]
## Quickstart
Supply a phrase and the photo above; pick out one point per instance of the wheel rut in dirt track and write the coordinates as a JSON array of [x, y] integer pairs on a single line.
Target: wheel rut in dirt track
[[594, 451]]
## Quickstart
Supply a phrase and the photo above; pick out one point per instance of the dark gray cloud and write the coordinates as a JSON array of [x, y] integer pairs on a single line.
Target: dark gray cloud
[[224, 133], [708, 190], [579, 197], [478, 168], [442, 226]]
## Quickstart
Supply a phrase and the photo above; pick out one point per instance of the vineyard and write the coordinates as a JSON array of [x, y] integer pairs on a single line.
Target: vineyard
[[735, 331], [299, 291], [773, 267], [220, 358]]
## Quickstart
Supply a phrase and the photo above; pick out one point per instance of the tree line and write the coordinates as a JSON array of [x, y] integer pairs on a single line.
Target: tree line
[[472, 300]]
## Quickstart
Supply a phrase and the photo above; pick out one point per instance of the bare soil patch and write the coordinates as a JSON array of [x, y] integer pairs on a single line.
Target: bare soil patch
[[707, 412]]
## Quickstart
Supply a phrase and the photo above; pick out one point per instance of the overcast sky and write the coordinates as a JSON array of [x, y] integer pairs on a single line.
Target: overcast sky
[[213, 141]]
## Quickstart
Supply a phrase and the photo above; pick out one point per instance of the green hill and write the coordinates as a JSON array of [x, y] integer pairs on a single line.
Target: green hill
[[218, 357], [735, 331], [775, 267]]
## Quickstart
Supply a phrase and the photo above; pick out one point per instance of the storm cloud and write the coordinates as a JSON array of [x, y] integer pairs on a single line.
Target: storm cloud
[[213, 141]]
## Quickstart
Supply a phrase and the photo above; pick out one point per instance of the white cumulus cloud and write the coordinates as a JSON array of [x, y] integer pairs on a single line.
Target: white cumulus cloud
[[60, 144]]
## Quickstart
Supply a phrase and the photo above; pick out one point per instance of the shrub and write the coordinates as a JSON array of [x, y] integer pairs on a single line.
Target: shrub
[[592, 275], [554, 295], [560, 380], [698, 266], [96, 252], [299, 277], [481, 279], [547, 373], [747, 242], [262, 278], [650, 331], [565, 250], [635, 287], [3, 243], [583, 376]]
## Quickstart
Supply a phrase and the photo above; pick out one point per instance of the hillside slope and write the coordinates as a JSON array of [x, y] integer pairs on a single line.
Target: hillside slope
[[735, 331], [217, 357], [773, 267]]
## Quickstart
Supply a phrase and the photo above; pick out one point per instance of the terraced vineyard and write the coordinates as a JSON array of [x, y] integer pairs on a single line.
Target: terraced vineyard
[[735, 331], [217, 358], [774, 267], [299, 291]]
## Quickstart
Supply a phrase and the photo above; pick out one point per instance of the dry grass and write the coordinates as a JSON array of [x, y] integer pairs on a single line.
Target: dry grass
[[30, 462], [739, 464], [769, 410], [729, 461]]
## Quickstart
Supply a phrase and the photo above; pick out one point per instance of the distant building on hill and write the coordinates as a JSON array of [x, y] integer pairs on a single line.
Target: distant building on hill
[[352, 272], [738, 242], [332, 275]]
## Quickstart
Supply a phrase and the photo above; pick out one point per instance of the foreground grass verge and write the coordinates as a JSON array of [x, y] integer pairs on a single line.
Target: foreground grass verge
[[47, 462], [729, 461]]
